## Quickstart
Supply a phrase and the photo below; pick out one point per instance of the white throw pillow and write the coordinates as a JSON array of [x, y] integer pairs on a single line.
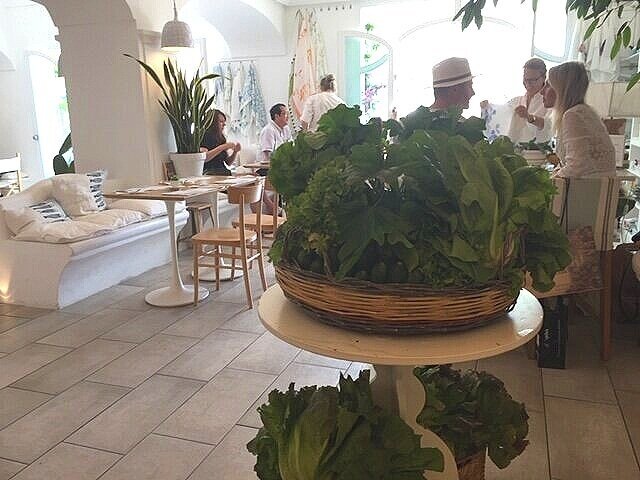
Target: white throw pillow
[[96, 184], [18, 219], [73, 192], [50, 210]]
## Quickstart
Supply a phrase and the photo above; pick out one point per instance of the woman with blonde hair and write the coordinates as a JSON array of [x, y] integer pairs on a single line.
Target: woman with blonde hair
[[583, 144]]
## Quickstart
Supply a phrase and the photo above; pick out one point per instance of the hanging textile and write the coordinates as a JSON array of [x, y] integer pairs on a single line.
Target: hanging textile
[[239, 96], [309, 63]]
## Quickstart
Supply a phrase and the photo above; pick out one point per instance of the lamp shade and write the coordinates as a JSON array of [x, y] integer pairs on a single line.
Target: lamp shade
[[176, 35], [610, 99]]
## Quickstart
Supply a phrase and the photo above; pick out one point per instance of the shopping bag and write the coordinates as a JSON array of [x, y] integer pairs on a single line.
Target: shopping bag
[[553, 336]]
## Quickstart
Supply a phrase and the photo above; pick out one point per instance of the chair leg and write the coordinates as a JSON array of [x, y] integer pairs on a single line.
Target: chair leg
[[606, 303], [263, 278], [245, 269], [213, 222], [233, 263], [196, 280], [217, 266], [198, 221]]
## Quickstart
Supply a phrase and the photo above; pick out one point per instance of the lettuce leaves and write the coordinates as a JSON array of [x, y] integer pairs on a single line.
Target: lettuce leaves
[[426, 195], [329, 433]]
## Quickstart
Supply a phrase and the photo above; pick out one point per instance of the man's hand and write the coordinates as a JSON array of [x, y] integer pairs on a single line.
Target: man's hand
[[522, 112]]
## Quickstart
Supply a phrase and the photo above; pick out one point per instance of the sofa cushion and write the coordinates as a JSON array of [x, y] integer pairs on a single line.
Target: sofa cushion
[[61, 232], [96, 184], [73, 192], [50, 210], [17, 219], [152, 208], [114, 217]]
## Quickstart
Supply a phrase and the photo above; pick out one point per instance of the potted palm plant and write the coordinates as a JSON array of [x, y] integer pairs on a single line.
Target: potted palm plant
[[188, 106]]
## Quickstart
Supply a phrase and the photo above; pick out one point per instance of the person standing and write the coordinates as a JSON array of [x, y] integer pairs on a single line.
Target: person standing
[[276, 132], [452, 84], [220, 153], [526, 115], [317, 105], [583, 143]]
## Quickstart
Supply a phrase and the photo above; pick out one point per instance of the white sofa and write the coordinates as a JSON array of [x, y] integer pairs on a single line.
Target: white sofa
[[53, 275]]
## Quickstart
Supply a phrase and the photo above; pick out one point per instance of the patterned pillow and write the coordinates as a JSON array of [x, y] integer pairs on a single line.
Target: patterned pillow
[[50, 210], [96, 182]]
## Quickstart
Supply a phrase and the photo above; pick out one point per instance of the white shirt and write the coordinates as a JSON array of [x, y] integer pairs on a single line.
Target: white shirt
[[584, 146], [317, 105], [520, 130], [272, 136]]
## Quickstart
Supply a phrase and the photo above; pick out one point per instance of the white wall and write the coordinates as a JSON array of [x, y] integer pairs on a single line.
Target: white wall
[[25, 28]]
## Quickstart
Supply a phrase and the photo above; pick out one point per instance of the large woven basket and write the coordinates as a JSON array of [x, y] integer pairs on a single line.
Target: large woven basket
[[472, 468], [393, 308]]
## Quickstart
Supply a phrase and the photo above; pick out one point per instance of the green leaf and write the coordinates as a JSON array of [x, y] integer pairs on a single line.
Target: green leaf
[[634, 79], [591, 29], [616, 46]]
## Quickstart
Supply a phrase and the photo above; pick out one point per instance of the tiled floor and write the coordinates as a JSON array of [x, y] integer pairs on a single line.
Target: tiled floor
[[112, 388]]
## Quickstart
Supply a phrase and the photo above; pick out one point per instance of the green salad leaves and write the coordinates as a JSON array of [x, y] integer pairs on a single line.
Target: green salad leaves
[[471, 412], [329, 433], [424, 200]]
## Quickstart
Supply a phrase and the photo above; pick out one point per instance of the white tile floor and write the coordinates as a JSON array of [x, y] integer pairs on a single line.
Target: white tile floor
[[112, 388]]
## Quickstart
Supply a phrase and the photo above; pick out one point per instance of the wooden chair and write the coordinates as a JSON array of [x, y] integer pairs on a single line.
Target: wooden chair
[[11, 165], [269, 223], [247, 240], [589, 202], [196, 211]]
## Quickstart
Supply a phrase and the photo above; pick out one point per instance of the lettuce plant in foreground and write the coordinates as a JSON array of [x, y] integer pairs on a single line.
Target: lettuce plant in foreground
[[337, 433]]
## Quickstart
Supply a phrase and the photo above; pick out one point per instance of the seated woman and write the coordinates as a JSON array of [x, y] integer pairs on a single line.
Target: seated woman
[[583, 144], [523, 118], [215, 144]]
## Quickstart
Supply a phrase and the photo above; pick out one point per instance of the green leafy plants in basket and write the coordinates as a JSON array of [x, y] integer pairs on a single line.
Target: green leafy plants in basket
[[337, 433], [422, 201], [472, 412]]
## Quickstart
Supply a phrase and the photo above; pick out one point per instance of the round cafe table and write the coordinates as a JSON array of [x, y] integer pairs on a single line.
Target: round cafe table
[[394, 356]]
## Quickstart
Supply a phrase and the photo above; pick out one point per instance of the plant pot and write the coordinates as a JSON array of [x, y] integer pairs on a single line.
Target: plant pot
[[472, 468], [188, 164], [534, 157]]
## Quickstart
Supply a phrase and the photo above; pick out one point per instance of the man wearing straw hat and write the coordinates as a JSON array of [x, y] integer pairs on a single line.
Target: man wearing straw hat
[[452, 84]]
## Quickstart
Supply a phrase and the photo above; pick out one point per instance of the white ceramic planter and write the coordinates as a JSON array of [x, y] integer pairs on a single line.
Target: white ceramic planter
[[534, 157], [188, 164]]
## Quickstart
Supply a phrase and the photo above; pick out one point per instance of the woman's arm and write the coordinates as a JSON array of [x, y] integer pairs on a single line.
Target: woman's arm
[[214, 152]]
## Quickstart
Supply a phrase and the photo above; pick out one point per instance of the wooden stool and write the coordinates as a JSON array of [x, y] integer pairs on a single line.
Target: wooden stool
[[195, 210]]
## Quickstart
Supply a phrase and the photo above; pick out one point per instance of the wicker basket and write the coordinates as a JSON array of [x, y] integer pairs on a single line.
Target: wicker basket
[[472, 468], [393, 308]]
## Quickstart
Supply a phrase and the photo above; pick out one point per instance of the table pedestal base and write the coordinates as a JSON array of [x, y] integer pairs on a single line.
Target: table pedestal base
[[398, 390], [174, 296]]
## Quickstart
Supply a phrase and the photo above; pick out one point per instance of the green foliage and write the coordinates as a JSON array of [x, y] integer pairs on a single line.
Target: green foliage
[[185, 102], [595, 11], [436, 206], [471, 412], [60, 164], [331, 433]]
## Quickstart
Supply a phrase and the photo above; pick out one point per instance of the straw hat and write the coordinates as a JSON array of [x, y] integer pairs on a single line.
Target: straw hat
[[450, 72]]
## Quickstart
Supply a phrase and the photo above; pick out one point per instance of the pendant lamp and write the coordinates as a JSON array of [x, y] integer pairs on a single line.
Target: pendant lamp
[[176, 35]]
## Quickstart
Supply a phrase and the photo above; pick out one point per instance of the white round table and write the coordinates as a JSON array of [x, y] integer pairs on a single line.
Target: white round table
[[394, 357]]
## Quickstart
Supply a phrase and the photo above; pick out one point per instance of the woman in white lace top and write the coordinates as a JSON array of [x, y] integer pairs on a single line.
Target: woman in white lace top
[[583, 144]]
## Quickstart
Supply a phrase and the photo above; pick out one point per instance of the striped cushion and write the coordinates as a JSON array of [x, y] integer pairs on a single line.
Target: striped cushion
[[96, 181], [50, 210]]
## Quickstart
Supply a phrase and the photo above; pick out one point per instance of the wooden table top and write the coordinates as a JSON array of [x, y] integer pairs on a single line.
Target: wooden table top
[[192, 187], [257, 166]]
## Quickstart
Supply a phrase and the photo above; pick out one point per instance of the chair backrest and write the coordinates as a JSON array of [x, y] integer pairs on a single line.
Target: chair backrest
[[11, 164], [582, 202], [246, 194]]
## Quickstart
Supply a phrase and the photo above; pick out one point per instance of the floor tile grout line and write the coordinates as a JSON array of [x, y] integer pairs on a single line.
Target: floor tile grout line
[[593, 402], [153, 432], [544, 415], [76, 444], [624, 421]]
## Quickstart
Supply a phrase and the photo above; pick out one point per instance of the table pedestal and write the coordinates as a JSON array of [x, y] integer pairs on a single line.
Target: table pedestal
[[176, 294], [396, 389]]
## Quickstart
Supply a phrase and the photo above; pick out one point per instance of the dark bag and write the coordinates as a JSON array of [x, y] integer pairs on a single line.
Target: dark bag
[[553, 337]]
